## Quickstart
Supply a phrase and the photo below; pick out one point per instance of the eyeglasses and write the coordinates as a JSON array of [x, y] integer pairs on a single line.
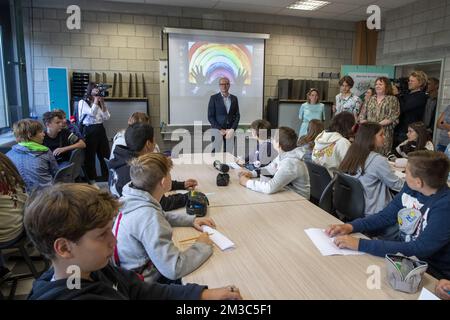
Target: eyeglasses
[[224, 84]]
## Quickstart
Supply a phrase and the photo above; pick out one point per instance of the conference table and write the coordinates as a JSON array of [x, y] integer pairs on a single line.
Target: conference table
[[273, 257], [201, 168]]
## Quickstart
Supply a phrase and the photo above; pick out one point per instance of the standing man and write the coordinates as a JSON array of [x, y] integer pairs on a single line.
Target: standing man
[[223, 115], [430, 108]]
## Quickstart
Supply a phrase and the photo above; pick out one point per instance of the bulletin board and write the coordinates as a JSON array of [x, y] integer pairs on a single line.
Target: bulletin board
[[365, 76]]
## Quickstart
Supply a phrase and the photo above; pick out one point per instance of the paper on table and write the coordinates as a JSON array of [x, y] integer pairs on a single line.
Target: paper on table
[[233, 165], [326, 244], [219, 239], [425, 294]]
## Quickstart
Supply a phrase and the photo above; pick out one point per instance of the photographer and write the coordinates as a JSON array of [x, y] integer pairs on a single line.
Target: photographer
[[92, 111]]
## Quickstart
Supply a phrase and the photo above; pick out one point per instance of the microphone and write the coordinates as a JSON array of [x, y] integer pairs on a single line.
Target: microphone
[[224, 168]]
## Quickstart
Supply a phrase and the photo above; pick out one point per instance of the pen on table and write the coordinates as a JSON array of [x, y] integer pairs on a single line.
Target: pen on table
[[193, 238]]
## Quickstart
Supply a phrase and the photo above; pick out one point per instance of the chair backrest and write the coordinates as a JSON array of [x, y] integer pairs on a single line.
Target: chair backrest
[[65, 174], [77, 158], [326, 199], [319, 178], [348, 197]]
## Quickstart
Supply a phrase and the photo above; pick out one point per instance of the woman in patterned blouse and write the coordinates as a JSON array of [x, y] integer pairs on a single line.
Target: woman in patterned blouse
[[346, 100], [383, 108]]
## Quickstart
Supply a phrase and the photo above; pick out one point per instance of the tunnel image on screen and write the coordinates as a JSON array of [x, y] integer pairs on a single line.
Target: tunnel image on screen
[[209, 62]]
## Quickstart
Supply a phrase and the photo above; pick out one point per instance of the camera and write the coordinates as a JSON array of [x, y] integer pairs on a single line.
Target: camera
[[223, 178], [402, 85], [197, 203], [103, 89]]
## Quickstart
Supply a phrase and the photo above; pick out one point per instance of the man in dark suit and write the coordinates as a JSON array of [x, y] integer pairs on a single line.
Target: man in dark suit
[[223, 115]]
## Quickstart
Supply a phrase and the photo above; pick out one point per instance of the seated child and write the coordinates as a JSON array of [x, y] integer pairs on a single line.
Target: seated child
[[119, 138], [287, 168], [60, 140], [12, 202], [421, 209], [372, 169], [140, 140], [331, 145], [144, 231], [70, 124], [417, 140], [306, 142], [71, 225], [34, 161], [265, 151]]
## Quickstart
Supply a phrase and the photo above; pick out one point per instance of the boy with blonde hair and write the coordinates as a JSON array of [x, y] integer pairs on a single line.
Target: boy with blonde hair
[[144, 230]]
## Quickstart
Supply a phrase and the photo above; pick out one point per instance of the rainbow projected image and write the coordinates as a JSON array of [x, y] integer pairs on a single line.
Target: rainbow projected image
[[210, 61]]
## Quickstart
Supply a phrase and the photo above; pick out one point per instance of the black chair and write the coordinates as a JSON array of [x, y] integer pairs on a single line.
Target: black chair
[[77, 158], [21, 244], [110, 177], [319, 179], [326, 199], [64, 174], [348, 198]]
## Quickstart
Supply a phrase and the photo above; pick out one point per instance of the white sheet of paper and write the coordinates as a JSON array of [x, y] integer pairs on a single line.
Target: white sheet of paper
[[400, 174], [218, 238], [233, 165], [326, 244], [426, 294]]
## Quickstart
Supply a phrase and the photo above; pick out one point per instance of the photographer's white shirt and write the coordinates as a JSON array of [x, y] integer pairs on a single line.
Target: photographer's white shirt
[[91, 115]]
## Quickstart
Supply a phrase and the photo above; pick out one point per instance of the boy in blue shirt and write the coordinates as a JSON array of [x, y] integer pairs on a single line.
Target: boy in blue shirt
[[422, 211]]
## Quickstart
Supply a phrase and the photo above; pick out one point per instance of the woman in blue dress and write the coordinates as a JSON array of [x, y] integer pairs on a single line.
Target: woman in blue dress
[[312, 109]]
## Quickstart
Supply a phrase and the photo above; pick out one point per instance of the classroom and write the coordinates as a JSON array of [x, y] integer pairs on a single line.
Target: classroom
[[224, 150]]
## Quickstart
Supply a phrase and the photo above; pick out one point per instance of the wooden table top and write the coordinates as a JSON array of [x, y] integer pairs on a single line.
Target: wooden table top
[[275, 259], [233, 194]]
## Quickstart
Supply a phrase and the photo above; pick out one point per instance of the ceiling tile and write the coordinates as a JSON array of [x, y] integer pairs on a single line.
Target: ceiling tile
[[347, 10], [234, 6]]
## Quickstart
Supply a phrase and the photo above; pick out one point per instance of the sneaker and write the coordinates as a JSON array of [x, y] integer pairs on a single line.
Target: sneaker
[[4, 273]]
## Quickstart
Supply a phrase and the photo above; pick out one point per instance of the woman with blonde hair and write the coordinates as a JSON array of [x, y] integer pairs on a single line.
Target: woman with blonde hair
[[311, 109], [383, 108], [412, 105]]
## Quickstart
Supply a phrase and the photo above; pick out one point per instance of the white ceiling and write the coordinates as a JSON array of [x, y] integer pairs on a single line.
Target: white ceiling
[[348, 10]]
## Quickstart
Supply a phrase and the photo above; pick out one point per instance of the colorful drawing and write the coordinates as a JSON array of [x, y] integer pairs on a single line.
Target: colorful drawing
[[210, 61]]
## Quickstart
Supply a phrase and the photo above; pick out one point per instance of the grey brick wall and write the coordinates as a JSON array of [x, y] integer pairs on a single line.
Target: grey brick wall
[[110, 41], [418, 32]]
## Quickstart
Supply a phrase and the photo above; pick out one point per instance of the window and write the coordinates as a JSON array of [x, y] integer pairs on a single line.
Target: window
[[4, 114]]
